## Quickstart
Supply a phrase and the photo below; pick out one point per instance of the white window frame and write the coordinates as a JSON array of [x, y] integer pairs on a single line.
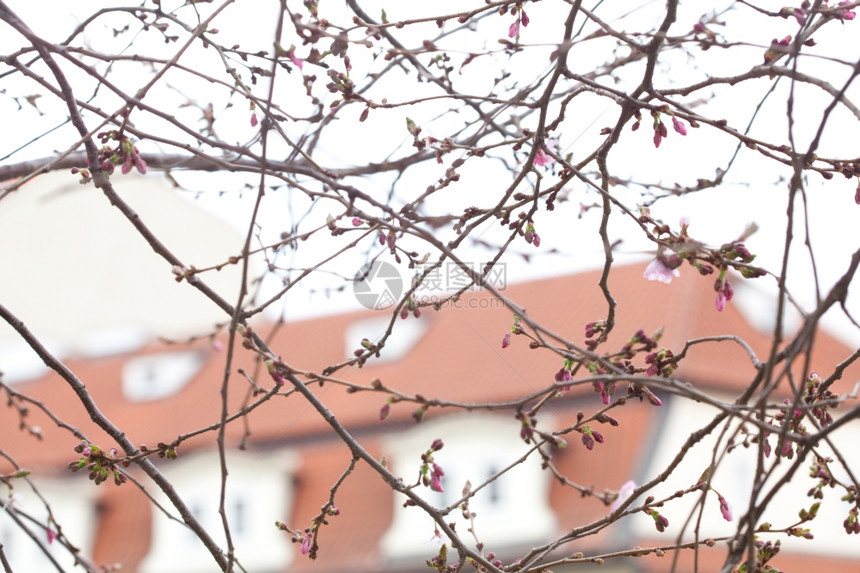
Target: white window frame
[[474, 444]]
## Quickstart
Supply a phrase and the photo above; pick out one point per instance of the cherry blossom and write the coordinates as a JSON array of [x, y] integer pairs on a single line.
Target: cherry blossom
[[624, 494], [657, 270]]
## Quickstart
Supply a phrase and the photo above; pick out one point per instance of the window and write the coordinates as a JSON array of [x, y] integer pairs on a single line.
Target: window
[[475, 449], [159, 375], [259, 492]]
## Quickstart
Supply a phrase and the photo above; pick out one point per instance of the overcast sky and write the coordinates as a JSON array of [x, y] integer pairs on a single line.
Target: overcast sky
[[756, 191]]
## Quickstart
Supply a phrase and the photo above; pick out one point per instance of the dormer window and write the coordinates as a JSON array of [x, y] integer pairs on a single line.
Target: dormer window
[[159, 375]]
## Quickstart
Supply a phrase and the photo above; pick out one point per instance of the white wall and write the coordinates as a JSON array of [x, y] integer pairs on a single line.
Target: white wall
[[733, 479], [72, 505], [259, 492], [513, 511]]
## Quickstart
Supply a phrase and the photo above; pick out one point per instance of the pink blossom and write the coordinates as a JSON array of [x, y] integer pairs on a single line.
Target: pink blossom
[[588, 441], [589, 437], [436, 483], [298, 62], [139, 163], [436, 478], [679, 125], [306, 543], [543, 158], [506, 340], [604, 397], [437, 541], [724, 295], [514, 29], [254, 120], [658, 271], [51, 534], [799, 15], [624, 494], [725, 508], [845, 14], [525, 17], [660, 132]]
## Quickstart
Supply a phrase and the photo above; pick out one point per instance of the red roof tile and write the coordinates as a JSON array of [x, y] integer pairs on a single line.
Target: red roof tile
[[458, 358]]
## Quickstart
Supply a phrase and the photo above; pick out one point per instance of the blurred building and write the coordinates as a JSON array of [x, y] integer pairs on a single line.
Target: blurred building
[[284, 460]]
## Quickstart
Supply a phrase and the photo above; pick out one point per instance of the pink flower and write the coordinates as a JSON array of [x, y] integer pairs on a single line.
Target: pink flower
[[725, 508], [588, 441], [437, 541], [51, 534], [139, 163], [589, 437], [525, 17], [724, 294], [384, 411], [799, 15], [254, 120], [543, 158], [660, 522], [563, 375], [295, 60], [624, 494], [514, 29], [658, 271], [660, 132], [506, 340], [436, 478], [306, 543], [845, 14], [679, 125]]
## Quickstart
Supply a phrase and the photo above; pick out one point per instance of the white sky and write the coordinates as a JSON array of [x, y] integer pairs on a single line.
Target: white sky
[[756, 190]]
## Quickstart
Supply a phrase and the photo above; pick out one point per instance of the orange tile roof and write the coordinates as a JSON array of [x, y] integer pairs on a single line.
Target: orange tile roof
[[458, 358]]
